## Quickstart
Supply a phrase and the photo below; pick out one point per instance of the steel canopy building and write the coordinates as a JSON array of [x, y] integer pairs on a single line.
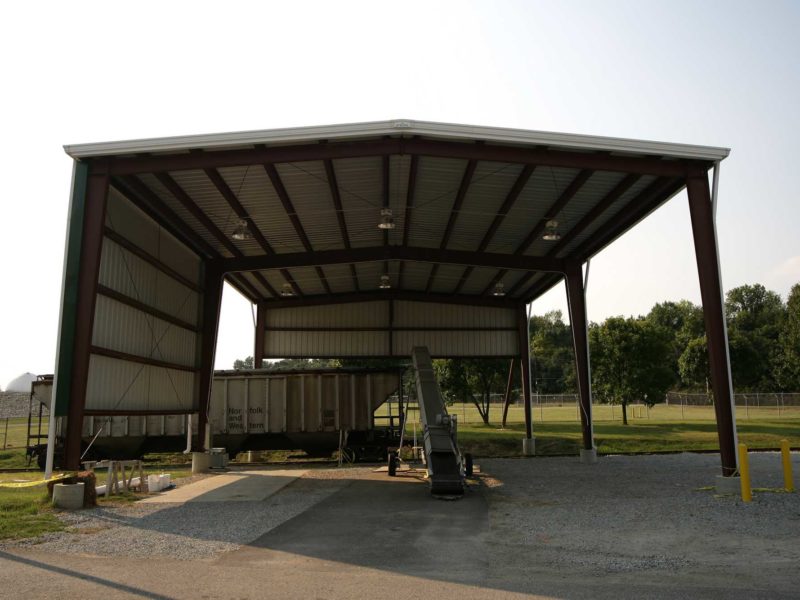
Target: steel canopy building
[[355, 240]]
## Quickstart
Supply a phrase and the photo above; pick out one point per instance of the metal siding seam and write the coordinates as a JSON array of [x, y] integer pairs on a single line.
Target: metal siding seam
[[285, 402], [225, 407], [319, 400], [352, 401], [267, 382], [302, 403], [336, 411], [246, 415]]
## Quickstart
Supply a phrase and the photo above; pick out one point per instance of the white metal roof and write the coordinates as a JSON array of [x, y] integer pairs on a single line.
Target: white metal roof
[[394, 127]]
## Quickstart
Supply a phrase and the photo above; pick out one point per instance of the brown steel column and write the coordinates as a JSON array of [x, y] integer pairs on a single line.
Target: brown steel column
[[577, 318], [706, 252], [524, 357], [93, 222], [509, 386], [261, 325], [212, 300]]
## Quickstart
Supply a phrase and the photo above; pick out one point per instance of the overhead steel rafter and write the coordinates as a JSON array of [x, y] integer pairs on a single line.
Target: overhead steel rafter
[[466, 179], [643, 204], [186, 201], [283, 195], [149, 202], [609, 199], [383, 253], [224, 189], [423, 147], [389, 296], [567, 195], [412, 184], [511, 197], [385, 204], [333, 184]]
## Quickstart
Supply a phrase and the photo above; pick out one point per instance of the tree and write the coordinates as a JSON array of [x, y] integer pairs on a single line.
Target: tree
[[682, 323], [552, 354], [630, 361], [787, 364], [693, 364], [246, 363], [755, 320], [473, 380]]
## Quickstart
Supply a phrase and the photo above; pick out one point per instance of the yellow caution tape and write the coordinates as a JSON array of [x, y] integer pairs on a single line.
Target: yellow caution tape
[[24, 484]]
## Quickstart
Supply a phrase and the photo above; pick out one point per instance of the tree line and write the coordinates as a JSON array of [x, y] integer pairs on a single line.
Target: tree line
[[636, 359]]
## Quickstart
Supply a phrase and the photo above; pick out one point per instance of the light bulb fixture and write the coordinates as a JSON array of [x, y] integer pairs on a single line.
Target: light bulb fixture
[[385, 284], [499, 289], [551, 231], [287, 290], [387, 219], [242, 231]]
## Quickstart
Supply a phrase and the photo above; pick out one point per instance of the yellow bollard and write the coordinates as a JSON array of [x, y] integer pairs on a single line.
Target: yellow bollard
[[786, 459], [744, 474]]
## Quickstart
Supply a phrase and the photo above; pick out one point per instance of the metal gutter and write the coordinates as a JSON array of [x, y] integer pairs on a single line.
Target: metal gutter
[[397, 127]]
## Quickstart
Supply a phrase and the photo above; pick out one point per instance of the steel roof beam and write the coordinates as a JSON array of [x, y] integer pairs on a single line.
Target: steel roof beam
[[642, 205], [511, 197], [388, 295], [412, 183], [283, 195], [382, 253], [643, 165], [147, 201], [466, 179], [186, 201], [333, 184], [552, 213]]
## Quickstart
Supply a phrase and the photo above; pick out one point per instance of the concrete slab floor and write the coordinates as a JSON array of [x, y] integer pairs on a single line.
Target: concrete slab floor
[[239, 486], [627, 527]]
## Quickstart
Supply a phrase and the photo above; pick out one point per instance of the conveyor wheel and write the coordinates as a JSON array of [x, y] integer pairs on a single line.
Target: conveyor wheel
[[392, 465], [468, 464]]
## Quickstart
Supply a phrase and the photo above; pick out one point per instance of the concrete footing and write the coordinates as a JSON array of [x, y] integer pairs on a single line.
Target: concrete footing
[[201, 462], [588, 457], [728, 485], [529, 446], [68, 496]]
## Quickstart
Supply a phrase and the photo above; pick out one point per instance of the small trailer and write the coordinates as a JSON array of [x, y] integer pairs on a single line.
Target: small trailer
[[318, 411]]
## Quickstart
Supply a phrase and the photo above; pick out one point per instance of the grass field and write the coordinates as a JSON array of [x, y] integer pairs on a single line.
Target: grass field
[[660, 429]]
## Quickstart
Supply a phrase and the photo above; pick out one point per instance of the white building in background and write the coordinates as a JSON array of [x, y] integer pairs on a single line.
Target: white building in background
[[21, 383]]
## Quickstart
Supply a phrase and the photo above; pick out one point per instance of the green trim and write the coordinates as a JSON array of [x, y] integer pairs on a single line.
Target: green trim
[[69, 297]]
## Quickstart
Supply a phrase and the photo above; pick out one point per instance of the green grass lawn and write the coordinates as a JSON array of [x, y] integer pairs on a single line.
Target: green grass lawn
[[26, 511]]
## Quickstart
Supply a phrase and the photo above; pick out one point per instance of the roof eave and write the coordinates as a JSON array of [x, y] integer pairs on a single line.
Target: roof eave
[[396, 127]]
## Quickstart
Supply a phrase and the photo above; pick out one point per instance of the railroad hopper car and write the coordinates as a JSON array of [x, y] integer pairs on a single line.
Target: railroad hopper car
[[317, 411]]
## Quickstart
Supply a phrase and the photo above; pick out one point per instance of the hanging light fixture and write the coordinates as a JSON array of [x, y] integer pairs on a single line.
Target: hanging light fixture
[[287, 290], [387, 219], [241, 231], [385, 284], [499, 289], [551, 231]]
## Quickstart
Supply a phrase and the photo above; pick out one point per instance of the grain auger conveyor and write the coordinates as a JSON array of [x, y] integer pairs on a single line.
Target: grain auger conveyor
[[446, 467]]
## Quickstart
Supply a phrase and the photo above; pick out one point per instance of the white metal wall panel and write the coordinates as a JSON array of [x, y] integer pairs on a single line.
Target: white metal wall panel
[[127, 274], [122, 385], [119, 327], [123, 217], [457, 343], [431, 314], [356, 314], [312, 344]]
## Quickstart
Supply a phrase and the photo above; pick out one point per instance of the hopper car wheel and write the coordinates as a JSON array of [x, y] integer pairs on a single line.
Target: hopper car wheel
[[468, 464], [392, 465]]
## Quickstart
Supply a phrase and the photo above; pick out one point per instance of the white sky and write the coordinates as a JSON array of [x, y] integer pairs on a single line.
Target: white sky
[[713, 73]]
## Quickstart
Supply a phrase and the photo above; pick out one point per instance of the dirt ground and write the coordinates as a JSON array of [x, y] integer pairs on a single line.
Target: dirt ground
[[627, 527]]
